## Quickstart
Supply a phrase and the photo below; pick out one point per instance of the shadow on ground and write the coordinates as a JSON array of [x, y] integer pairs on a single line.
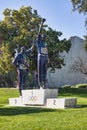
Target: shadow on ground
[[11, 111]]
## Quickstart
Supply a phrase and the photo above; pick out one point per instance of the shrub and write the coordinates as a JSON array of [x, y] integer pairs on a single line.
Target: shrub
[[81, 86]]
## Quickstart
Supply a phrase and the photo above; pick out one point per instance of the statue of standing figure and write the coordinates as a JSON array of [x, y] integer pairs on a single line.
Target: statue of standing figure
[[20, 61], [42, 57]]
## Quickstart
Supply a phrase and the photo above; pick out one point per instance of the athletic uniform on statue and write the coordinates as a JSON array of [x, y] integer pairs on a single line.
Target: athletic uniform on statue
[[42, 60], [21, 62]]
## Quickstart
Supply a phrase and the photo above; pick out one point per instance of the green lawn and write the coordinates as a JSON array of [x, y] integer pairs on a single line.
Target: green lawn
[[25, 118]]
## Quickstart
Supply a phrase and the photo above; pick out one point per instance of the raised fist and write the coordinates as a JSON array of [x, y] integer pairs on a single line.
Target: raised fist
[[43, 20]]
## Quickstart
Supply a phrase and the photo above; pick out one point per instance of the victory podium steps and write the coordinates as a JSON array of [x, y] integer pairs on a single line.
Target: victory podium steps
[[47, 98]]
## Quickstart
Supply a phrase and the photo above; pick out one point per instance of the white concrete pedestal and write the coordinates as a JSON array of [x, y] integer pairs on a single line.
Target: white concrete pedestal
[[42, 98], [34, 97], [38, 97], [61, 102], [16, 101]]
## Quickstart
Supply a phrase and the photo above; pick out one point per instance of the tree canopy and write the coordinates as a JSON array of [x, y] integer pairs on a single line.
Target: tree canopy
[[81, 6]]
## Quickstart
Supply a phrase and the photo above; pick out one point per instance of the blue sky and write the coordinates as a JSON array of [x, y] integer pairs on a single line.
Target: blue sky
[[58, 14]]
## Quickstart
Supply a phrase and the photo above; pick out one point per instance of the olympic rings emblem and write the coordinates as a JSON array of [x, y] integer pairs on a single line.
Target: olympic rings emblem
[[32, 98]]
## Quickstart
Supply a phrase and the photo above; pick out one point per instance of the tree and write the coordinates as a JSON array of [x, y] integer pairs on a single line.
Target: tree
[[55, 47], [21, 27], [6, 70], [79, 65], [81, 6]]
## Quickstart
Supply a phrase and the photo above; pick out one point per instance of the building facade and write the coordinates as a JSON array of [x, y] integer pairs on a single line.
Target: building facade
[[65, 76]]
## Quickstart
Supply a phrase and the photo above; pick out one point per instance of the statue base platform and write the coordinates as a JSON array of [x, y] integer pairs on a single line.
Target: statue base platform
[[38, 96], [45, 98], [61, 102]]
